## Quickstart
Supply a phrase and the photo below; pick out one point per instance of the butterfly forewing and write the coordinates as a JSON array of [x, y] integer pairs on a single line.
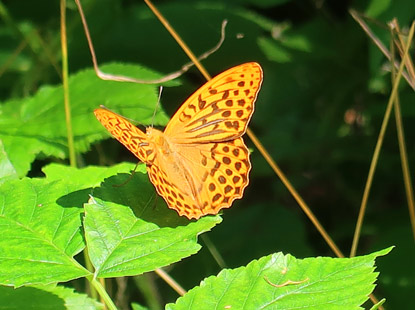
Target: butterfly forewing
[[220, 110], [129, 135]]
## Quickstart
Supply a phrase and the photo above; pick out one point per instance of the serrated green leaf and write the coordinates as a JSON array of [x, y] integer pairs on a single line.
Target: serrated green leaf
[[40, 237], [90, 176], [45, 297], [36, 125], [120, 186], [73, 300], [120, 244], [284, 282], [29, 298]]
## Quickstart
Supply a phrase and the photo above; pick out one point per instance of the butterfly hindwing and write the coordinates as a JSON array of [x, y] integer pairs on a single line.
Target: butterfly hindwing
[[204, 178]]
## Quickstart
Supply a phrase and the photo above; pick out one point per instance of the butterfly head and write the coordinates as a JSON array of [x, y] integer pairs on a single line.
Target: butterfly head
[[156, 136]]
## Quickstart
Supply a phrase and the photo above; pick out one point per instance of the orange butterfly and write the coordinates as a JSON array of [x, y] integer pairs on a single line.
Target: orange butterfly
[[199, 164]]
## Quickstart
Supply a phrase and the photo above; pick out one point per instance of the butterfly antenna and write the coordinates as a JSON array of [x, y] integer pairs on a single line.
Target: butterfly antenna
[[157, 105]]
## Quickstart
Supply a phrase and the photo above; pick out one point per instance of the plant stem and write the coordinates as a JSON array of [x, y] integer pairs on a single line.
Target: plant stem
[[103, 293], [64, 47]]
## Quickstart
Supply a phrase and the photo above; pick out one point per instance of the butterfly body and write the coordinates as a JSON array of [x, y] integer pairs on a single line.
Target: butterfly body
[[170, 157], [199, 164]]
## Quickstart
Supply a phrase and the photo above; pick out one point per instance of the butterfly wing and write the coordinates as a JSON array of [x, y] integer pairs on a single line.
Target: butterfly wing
[[219, 110], [202, 178], [204, 164], [129, 135]]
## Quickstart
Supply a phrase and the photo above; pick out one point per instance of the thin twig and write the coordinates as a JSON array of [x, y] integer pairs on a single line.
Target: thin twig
[[400, 43], [379, 44], [213, 251], [120, 78], [170, 281], [400, 130], [64, 48], [376, 153], [295, 194], [178, 39], [13, 57]]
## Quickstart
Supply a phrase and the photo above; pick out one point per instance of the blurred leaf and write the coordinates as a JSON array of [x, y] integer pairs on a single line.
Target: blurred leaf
[[297, 42], [273, 51], [136, 306], [329, 283], [377, 7], [260, 3]]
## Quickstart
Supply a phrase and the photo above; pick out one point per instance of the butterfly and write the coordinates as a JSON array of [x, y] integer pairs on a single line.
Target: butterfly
[[199, 164]]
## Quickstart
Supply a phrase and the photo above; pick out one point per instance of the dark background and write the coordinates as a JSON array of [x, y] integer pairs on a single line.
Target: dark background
[[319, 114]]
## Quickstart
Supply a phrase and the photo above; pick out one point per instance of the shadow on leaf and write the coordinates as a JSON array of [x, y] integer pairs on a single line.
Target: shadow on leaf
[[139, 194]]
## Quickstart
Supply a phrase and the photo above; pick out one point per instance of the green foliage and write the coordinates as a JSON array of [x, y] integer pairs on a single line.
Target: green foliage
[[36, 125], [45, 297], [320, 283], [318, 114], [136, 246], [43, 230], [40, 238]]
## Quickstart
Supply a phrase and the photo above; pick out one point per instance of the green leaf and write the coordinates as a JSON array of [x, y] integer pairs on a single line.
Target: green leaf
[[45, 297], [7, 171], [285, 282], [120, 244], [136, 306], [126, 241], [82, 178], [40, 236], [36, 125], [377, 7], [120, 186]]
